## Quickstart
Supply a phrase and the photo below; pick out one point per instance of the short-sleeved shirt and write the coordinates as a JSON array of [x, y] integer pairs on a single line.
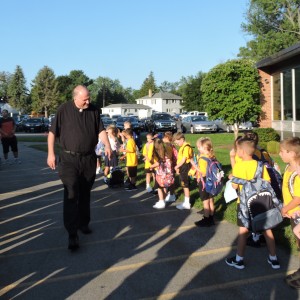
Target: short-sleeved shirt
[[148, 154], [237, 159], [202, 164], [287, 197], [7, 125], [246, 170], [131, 157], [185, 151], [77, 130]]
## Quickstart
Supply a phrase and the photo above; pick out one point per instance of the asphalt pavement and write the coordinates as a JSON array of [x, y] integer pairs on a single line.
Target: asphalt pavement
[[134, 252]]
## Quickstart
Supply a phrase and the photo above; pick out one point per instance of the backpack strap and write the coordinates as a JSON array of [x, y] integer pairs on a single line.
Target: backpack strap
[[291, 183]]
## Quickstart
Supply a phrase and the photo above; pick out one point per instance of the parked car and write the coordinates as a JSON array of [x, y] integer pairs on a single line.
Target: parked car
[[34, 125], [115, 117], [194, 124], [222, 125], [134, 123], [107, 121], [162, 122]]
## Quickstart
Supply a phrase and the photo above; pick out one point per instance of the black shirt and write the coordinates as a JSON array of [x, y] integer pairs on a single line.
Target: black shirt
[[77, 130]]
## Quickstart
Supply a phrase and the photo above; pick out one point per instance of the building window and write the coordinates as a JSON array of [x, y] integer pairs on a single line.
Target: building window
[[297, 96], [276, 97], [287, 95]]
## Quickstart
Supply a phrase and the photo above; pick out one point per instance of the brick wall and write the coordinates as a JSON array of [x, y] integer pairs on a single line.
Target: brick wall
[[265, 99]]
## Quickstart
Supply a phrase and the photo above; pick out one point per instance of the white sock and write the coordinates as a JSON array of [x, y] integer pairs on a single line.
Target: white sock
[[238, 258], [273, 257], [147, 185], [186, 200]]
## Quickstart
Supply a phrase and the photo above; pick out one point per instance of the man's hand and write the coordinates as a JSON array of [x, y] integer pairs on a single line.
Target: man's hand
[[108, 151], [51, 161]]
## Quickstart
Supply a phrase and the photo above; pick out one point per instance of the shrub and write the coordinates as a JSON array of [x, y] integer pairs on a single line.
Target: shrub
[[273, 147], [267, 134]]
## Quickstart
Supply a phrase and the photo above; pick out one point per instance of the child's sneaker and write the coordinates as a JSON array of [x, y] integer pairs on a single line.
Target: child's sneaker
[[170, 198], [274, 263], [183, 205], [131, 188], [233, 263], [17, 161], [159, 204], [149, 189]]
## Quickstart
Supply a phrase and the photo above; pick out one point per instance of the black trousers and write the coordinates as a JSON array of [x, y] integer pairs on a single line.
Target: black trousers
[[77, 174]]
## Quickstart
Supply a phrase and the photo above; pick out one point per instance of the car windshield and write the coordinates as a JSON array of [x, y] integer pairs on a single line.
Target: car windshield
[[161, 117], [133, 120], [33, 121], [199, 118]]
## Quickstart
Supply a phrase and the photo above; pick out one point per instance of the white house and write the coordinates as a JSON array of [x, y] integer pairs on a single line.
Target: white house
[[162, 102], [142, 111]]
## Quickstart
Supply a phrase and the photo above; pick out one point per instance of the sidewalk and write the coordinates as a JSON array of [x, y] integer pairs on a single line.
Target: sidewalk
[[134, 252]]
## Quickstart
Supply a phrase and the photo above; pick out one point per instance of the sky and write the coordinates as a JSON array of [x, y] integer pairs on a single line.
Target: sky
[[120, 39]]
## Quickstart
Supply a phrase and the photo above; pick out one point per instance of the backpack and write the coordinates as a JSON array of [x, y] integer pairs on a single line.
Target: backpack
[[275, 176], [214, 176], [164, 173], [260, 209]]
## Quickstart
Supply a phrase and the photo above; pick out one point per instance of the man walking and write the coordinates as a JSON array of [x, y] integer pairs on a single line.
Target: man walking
[[77, 126]]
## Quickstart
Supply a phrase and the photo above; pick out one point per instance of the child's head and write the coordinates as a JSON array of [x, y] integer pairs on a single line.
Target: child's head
[[251, 136], [205, 146], [245, 148], [290, 150], [178, 138], [149, 137], [127, 133], [235, 142], [112, 130], [168, 137], [127, 125], [160, 151]]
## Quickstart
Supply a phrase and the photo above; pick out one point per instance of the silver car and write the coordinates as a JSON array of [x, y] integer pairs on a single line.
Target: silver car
[[194, 124], [222, 125]]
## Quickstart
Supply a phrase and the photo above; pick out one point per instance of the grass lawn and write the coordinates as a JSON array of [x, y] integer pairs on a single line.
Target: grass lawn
[[222, 144]]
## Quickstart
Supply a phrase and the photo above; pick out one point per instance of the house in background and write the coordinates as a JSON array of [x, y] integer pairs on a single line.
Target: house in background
[[162, 102], [142, 111], [280, 91]]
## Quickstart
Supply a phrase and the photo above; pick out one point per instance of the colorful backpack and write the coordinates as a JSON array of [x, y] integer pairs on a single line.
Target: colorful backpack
[[260, 209], [214, 176], [275, 176], [164, 173]]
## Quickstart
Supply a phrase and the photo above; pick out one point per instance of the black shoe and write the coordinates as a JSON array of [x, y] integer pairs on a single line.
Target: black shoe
[[131, 188], [86, 229], [205, 222], [73, 243]]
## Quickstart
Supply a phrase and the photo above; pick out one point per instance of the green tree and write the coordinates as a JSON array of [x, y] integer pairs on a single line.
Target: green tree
[[105, 91], [148, 84], [5, 78], [231, 91], [273, 26], [79, 78], [190, 91], [44, 92], [170, 87], [17, 91], [64, 87]]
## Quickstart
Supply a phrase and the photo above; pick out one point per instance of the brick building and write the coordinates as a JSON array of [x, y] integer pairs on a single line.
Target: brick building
[[280, 91]]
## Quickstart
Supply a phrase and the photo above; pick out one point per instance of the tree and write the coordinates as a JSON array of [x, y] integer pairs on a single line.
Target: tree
[[5, 78], [190, 91], [105, 91], [79, 78], [231, 91], [274, 25], [170, 87], [148, 84], [17, 91], [44, 92]]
